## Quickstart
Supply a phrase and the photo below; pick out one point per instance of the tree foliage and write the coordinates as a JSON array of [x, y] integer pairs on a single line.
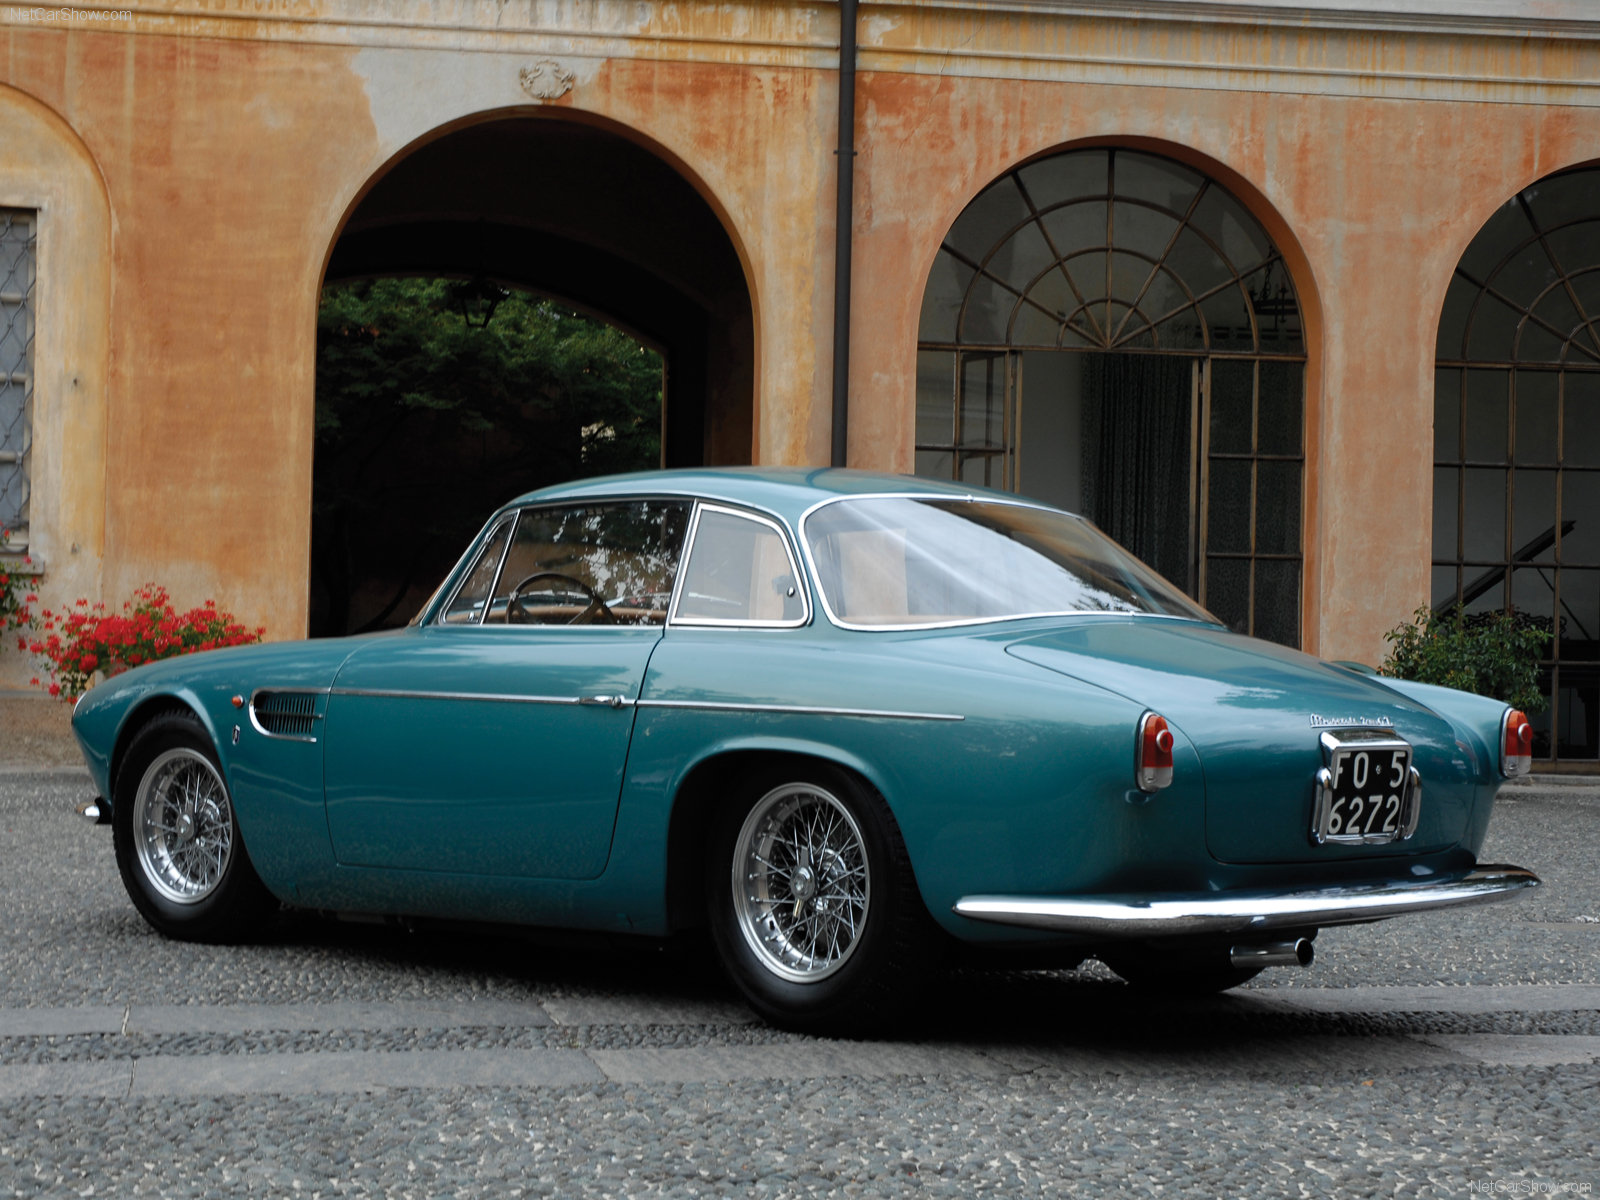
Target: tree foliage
[[1492, 654], [426, 421]]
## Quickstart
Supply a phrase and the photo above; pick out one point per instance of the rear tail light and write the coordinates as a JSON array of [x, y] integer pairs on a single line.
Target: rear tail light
[[1153, 769], [1516, 744]]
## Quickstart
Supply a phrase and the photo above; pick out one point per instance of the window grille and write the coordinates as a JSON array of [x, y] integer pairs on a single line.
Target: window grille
[[1174, 315], [1516, 474], [17, 273]]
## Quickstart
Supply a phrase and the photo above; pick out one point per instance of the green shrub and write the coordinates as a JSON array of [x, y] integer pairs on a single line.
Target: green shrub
[[1492, 654]]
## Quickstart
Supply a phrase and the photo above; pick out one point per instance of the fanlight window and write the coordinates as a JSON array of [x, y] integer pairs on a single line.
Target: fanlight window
[[1114, 333], [1516, 487], [1110, 250]]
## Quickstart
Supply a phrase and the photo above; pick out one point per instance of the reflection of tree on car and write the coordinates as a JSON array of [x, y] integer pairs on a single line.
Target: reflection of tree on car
[[604, 564]]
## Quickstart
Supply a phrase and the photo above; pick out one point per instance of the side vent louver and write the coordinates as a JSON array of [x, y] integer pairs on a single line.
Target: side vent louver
[[286, 714]]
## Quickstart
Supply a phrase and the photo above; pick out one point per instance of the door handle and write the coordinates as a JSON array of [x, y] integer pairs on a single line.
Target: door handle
[[606, 701]]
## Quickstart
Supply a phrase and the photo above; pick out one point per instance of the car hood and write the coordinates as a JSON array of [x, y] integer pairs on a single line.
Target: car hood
[[1254, 712]]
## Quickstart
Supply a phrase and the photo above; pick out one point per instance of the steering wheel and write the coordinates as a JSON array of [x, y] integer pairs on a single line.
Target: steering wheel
[[595, 614]]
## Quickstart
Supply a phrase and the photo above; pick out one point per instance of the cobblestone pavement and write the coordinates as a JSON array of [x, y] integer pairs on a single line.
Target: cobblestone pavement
[[1446, 1054]]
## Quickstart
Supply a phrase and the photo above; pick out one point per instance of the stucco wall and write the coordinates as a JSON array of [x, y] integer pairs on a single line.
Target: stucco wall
[[205, 164], [1372, 201], [45, 167]]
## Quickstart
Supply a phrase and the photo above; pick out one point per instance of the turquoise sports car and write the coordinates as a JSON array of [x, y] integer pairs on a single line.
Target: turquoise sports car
[[845, 722]]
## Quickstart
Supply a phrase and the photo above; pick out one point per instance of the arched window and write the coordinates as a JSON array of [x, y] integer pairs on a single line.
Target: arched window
[[1113, 332], [1516, 486]]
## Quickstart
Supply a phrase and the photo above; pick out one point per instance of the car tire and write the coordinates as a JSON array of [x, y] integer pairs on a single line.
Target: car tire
[[177, 837], [813, 906], [1178, 974]]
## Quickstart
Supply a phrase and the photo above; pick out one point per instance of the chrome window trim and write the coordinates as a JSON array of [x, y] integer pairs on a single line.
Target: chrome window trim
[[568, 502], [256, 724], [802, 584], [949, 498], [490, 528]]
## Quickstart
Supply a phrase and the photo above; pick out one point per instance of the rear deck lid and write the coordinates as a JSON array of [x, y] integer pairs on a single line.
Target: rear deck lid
[[1255, 713]]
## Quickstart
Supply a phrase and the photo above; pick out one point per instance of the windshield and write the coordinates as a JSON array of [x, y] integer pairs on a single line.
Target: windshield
[[887, 562]]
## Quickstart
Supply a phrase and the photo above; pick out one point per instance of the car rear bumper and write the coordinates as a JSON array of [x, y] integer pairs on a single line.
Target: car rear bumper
[[1254, 912]]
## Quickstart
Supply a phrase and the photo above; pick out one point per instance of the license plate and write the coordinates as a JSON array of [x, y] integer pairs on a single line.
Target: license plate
[[1369, 793]]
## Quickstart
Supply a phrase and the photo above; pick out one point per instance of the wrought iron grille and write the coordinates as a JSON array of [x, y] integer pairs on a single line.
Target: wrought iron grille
[[17, 241], [1120, 253], [1516, 518]]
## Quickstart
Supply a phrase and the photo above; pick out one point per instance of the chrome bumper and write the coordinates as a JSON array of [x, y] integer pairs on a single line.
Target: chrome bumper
[[1257, 912]]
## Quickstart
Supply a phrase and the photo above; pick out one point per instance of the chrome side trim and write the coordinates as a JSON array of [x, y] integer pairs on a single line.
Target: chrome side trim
[[609, 701], [803, 709], [496, 697], [606, 701], [1212, 913]]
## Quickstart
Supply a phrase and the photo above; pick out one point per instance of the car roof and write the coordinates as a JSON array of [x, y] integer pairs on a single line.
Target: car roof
[[786, 491]]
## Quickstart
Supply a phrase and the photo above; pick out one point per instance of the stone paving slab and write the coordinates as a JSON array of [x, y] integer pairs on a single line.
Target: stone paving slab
[[1506, 998], [1511, 1050], [629, 1010], [357, 1071], [62, 1022], [297, 1018], [65, 1079], [342, 1016], [798, 1061], [1278, 1057]]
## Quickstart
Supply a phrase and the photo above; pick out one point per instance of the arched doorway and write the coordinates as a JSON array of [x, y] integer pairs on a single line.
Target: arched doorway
[[529, 230], [1516, 487], [1111, 331]]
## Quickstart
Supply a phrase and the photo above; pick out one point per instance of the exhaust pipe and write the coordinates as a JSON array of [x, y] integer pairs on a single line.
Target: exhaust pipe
[[1296, 953]]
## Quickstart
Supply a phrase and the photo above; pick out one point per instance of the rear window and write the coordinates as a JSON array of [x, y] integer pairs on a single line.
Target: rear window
[[887, 562]]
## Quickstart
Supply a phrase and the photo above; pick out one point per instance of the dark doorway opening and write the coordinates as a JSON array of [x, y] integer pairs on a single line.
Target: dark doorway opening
[[512, 304]]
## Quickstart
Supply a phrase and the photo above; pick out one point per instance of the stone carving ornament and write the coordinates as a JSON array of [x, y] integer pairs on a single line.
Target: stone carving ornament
[[546, 79]]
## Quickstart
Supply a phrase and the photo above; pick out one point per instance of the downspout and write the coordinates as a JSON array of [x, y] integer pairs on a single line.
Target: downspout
[[844, 222]]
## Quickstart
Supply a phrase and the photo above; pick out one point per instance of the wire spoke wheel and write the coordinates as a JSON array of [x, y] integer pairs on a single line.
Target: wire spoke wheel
[[183, 826], [801, 883]]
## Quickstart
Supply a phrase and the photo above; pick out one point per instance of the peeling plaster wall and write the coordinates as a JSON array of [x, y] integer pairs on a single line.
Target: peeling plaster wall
[[210, 160]]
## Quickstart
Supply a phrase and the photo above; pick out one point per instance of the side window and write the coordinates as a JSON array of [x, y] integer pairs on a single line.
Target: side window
[[592, 564], [739, 571], [467, 608]]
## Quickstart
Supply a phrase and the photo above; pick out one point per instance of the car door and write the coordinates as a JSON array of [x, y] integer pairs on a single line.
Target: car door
[[493, 740]]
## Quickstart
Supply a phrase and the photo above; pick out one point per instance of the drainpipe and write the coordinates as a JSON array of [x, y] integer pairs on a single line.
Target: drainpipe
[[843, 225]]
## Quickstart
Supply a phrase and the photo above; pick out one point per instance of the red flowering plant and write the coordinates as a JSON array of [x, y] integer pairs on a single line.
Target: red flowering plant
[[14, 594], [84, 639]]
